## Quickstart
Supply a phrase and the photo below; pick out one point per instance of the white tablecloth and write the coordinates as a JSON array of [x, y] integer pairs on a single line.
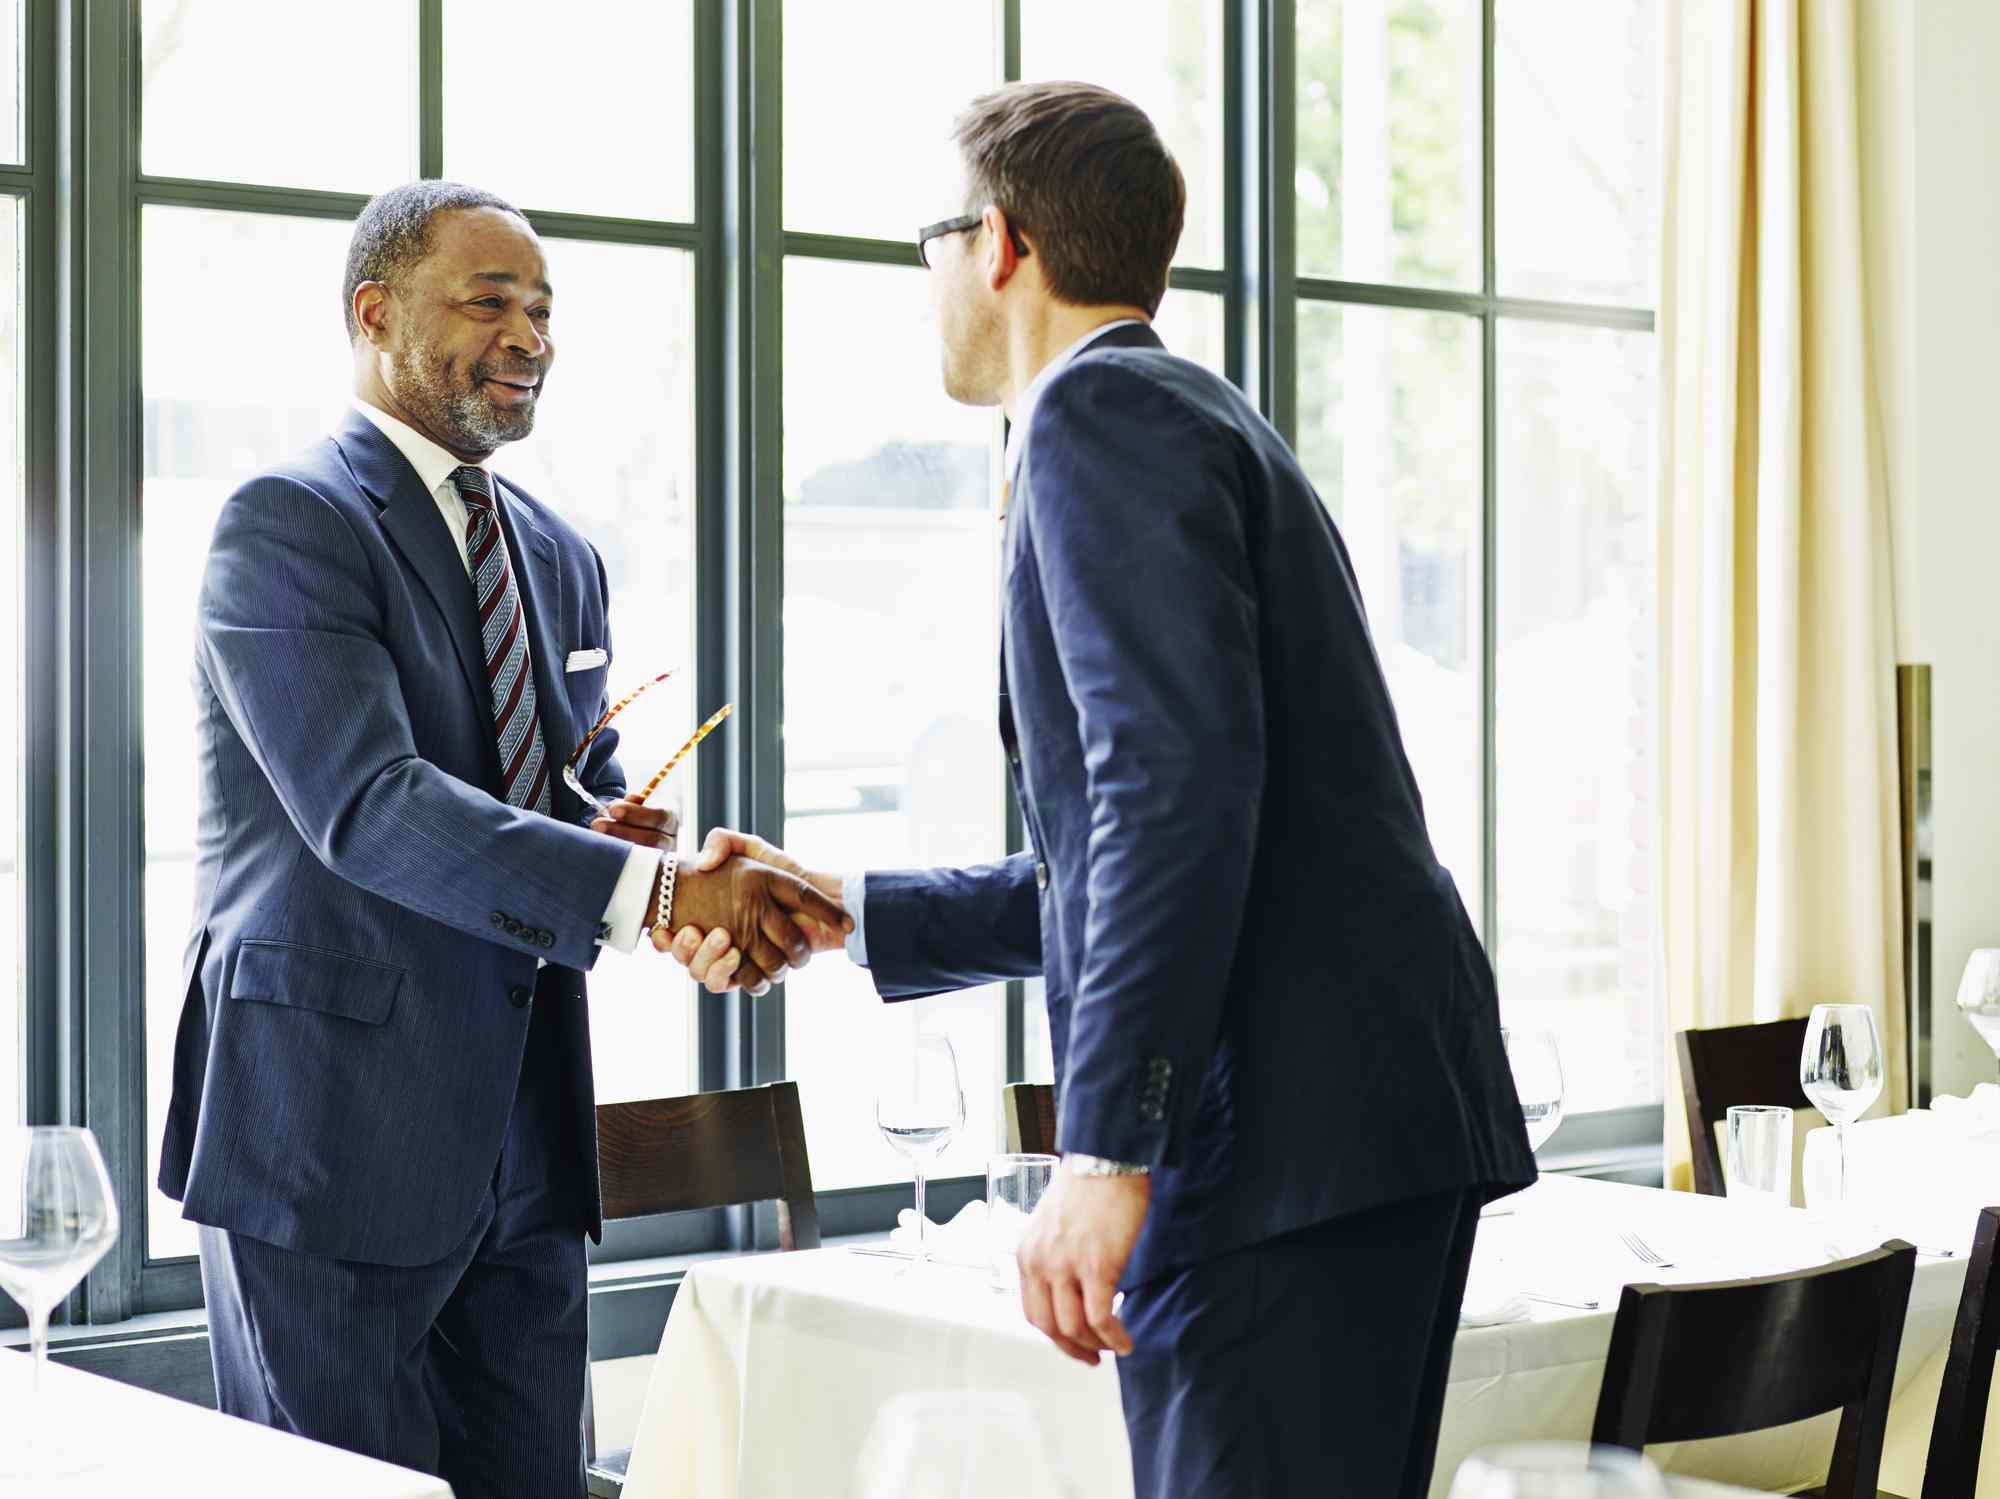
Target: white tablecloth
[[772, 1368], [1923, 1175], [146, 1444]]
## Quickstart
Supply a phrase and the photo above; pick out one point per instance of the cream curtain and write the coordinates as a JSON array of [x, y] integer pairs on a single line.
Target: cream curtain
[[1781, 884]]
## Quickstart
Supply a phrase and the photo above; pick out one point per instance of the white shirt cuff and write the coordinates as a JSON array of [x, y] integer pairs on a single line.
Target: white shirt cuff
[[854, 896], [629, 899]]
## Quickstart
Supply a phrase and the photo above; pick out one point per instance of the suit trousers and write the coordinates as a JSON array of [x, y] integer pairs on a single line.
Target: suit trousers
[[1310, 1366], [472, 1368]]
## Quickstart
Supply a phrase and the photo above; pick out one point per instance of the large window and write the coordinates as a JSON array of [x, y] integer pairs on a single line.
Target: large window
[[1475, 397], [225, 396], [1419, 236]]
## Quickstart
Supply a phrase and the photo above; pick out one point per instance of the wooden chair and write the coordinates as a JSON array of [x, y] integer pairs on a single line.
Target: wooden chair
[[707, 1150], [1952, 1469], [1730, 1065], [1689, 1362], [1031, 1119]]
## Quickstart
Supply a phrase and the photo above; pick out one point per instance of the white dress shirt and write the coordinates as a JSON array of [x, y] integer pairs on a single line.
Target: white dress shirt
[[435, 465], [854, 889]]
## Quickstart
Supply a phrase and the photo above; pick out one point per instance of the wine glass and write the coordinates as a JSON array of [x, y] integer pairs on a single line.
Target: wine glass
[[1557, 1470], [57, 1219], [1538, 1081], [920, 1108], [1840, 1069], [1979, 995]]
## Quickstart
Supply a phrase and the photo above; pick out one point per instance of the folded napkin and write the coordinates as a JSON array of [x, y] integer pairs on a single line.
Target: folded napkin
[[961, 1241], [1489, 1306], [1978, 1113]]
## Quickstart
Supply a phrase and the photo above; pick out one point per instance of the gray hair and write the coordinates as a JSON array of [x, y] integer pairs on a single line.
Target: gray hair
[[394, 232]]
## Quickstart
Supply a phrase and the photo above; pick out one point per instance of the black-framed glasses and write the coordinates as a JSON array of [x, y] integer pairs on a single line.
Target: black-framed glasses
[[958, 225]]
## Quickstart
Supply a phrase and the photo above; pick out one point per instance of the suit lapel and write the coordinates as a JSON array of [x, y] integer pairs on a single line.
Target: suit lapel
[[538, 574], [410, 518]]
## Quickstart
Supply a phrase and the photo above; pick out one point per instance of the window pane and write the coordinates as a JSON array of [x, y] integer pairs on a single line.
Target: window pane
[[867, 125], [1575, 716], [220, 404], [1389, 430], [613, 452], [11, 92], [1576, 149], [11, 487], [891, 553], [1170, 67], [1389, 140], [610, 127], [222, 98], [1190, 325]]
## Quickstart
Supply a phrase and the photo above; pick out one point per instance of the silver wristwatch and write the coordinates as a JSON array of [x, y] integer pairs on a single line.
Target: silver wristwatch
[[1096, 1165]]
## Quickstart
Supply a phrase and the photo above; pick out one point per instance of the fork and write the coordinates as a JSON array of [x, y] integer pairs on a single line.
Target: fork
[[1645, 1252]]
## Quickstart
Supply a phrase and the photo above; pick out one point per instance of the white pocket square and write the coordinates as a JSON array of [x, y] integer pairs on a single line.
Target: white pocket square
[[585, 660]]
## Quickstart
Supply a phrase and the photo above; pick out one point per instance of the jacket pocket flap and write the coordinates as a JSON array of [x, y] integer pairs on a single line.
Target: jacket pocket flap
[[311, 978]]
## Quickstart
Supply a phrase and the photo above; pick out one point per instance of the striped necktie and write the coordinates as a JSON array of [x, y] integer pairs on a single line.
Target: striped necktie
[[503, 629]]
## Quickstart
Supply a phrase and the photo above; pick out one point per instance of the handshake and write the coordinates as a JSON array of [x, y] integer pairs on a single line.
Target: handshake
[[744, 913]]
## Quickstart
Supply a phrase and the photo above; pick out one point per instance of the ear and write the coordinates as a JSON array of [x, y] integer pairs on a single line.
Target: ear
[[1001, 260], [371, 311]]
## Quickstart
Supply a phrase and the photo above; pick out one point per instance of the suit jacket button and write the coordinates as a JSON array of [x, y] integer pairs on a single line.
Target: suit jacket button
[[1041, 876], [498, 918], [513, 927], [547, 940], [518, 996]]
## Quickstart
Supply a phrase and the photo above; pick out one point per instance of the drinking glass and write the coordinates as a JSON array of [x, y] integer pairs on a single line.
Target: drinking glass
[[1538, 1081], [1557, 1470], [1979, 995], [1840, 1069], [966, 1444], [1760, 1153], [57, 1219], [1014, 1188], [920, 1108]]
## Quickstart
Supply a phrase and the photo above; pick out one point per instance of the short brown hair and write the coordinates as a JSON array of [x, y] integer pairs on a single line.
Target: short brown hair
[[1082, 172]]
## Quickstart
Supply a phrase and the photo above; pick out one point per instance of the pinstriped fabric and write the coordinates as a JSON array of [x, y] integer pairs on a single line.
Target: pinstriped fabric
[[503, 630]]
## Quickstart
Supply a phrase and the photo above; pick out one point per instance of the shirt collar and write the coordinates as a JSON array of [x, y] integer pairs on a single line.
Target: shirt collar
[[1017, 432], [434, 465]]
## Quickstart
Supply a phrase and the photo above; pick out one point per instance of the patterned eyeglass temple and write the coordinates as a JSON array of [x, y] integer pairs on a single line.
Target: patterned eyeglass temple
[[575, 782]]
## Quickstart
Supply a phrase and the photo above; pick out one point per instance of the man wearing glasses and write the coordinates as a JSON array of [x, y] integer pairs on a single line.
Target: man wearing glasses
[[383, 1115], [1283, 1093]]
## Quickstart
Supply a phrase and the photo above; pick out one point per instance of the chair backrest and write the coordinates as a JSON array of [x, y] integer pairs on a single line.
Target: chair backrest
[[1031, 1119], [1690, 1362], [1730, 1065], [1953, 1467], [710, 1150]]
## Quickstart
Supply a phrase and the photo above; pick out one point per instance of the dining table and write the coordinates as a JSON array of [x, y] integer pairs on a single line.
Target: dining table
[[107, 1440], [772, 1367]]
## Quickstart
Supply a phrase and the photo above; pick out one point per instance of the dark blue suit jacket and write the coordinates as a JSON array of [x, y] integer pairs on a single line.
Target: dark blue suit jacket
[[369, 911], [1260, 980]]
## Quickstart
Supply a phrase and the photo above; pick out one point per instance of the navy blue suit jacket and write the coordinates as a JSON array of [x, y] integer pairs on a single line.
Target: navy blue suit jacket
[[1261, 982], [369, 911]]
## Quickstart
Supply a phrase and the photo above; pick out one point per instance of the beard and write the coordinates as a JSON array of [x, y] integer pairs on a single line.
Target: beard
[[454, 405]]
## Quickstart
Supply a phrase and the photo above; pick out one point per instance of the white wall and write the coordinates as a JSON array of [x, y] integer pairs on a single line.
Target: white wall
[[1931, 141]]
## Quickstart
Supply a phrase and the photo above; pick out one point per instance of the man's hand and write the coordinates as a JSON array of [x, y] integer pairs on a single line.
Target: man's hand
[[713, 958], [635, 822], [1072, 1255], [764, 904]]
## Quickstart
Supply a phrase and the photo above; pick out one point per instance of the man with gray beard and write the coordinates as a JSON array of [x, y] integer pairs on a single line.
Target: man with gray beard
[[383, 1115]]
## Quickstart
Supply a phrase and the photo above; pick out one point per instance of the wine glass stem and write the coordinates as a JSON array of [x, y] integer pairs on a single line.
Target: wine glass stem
[[923, 1250], [1840, 1140]]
